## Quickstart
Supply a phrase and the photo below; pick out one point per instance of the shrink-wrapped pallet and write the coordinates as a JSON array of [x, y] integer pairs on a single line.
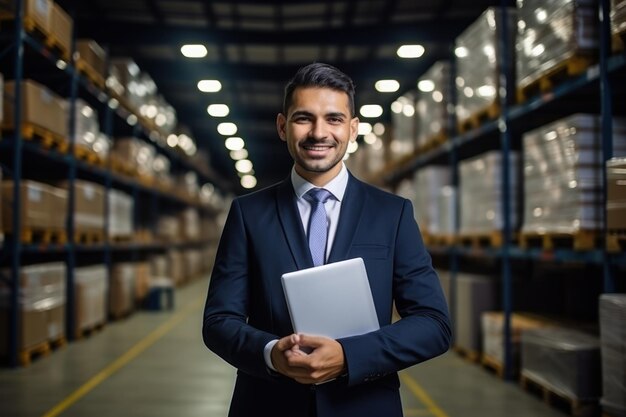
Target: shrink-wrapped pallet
[[175, 267], [446, 208], [86, 125], [121, 209], [618, 16], [190, 224], [552, 32], [563, 174], [613, 349], [480, 193], [475, 294], [91, 283], [563, 361], [434, 99], [403, 127], [479, 61], [135, 153], [616, 195], [429, 183], [42, 207], [492, 324], [88, 206], [122, 290], [41, 307], [169, 228]]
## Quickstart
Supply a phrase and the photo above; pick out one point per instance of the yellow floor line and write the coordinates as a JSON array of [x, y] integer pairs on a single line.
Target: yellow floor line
[[123, 360], [417, 412], [419, 392]]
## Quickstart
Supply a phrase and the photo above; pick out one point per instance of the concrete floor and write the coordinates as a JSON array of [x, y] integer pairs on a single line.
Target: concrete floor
[[155, 365]]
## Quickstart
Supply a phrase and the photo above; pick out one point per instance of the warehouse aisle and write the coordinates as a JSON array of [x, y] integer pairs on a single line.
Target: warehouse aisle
[[155, 365]]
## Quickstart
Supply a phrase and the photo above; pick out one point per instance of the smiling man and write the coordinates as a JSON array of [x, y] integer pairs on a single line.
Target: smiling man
[[277, 230]]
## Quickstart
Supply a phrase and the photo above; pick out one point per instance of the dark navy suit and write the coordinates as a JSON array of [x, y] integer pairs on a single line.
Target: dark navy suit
[[245, 309]]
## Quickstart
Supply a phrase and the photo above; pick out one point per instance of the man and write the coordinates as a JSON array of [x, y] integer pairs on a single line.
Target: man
[[246, 320]]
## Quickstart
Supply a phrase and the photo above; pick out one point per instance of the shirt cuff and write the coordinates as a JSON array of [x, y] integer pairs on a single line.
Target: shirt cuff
[[267, 354]]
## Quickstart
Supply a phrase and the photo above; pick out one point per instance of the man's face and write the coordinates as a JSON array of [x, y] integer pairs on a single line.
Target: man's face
[[317, 129]]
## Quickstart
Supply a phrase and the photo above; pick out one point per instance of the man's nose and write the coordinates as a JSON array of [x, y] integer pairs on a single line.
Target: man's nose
[[318, 130]]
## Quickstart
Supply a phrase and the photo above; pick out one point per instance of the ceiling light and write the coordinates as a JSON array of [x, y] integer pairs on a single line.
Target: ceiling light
[[194, 51], [244, 166], [172, 141], [234, 143], [461, 52], [410, 51], [248, 181], [371, 110], [218, 110], [239, 154], [352, 147], [387, 86], [426, 86], [209, 86], [396, 107], [408, 110], [365, 128], [370, 138], [227, 128]]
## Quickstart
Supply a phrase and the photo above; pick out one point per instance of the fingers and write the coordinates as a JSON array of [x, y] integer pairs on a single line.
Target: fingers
[[287, 342]]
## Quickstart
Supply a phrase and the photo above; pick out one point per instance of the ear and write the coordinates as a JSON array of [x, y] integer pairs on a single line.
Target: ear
[[354, 128], [281, 126]]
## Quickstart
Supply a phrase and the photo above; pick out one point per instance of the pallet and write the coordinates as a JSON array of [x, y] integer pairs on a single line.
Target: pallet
[[122, 239], [616, 242], [48, 139], [89, 237], [545, 82], [479, 118], [573, 406], [54, 44], [441, 240], [493, 364], [43, 349], [121, 167], [89, 331], [90, 73], [30, 25], [581, 240], [42, 236], [89, 156], [467, 354], [494, 239], [122, 315]]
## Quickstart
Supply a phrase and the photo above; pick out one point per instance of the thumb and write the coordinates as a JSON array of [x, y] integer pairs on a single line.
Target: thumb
[[287, 342], [312, 341]]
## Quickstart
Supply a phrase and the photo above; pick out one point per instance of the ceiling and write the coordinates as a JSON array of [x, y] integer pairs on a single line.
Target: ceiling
[[255, 47]]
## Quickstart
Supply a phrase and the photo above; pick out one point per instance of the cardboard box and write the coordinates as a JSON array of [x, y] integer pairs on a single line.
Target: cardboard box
[[88, 205], [61, 25], [59, 204], [91, 286], [36, 205], [142, 280], [121, 210], [89, 51], [37, 11], [42, 305], [122, 292], [40, 107]]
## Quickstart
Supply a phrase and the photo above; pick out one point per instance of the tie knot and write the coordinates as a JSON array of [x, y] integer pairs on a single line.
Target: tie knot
[[318, 195]]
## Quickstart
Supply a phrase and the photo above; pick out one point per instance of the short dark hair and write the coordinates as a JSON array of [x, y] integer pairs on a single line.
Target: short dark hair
[[320, 75]]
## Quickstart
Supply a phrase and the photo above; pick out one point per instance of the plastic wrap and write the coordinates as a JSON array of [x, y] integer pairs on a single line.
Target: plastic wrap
[[613, 346], [169, 228], [446, 207], [563, 174], [190, 221], [121, 210], [564, 361], [86, 125], [429, 182], [550, 32], [432, 103], [91, 296], [616, 194], [475, 294], [479, 61], [480, 193], [403, 123], [618, 16], [136, 153]]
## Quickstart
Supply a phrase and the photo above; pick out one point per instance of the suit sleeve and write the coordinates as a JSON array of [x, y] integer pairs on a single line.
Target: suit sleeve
[[225, 329], [423, 331]]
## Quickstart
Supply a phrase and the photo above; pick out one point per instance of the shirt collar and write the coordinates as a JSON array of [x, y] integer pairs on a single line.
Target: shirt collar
[[336, 186]]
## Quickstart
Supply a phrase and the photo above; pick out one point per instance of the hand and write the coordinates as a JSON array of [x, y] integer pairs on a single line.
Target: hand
[[325, 362], [279, 354]]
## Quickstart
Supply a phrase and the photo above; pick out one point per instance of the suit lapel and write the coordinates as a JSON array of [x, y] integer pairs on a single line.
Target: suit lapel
[[349, 218], [292, 225]]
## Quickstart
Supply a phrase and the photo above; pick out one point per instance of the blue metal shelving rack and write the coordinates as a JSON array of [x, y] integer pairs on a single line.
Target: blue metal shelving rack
[[13, 246]]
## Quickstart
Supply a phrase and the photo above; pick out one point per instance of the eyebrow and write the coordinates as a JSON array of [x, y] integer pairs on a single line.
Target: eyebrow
[[309, 114]]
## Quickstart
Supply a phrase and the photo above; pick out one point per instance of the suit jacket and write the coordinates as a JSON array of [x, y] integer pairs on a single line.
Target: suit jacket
[[245, 309]]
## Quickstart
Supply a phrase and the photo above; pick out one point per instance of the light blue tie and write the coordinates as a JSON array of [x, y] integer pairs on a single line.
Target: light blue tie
[[318, 224]]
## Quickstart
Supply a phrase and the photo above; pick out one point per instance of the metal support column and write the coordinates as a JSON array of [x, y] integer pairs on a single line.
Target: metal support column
[[506, 90], [454, 171], [607, 126], [15, 243]]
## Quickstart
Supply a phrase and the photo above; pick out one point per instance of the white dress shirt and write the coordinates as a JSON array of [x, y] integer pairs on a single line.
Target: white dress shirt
[[337, 187]]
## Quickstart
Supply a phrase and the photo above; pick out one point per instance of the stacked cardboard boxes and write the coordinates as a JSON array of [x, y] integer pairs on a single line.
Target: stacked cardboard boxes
[[475, 294], [91, 285], [122, 290], [43, 207], [616, 195], [41, 305]]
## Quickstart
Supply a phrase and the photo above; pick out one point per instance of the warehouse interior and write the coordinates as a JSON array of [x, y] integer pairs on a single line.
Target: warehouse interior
[[128, 128]]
